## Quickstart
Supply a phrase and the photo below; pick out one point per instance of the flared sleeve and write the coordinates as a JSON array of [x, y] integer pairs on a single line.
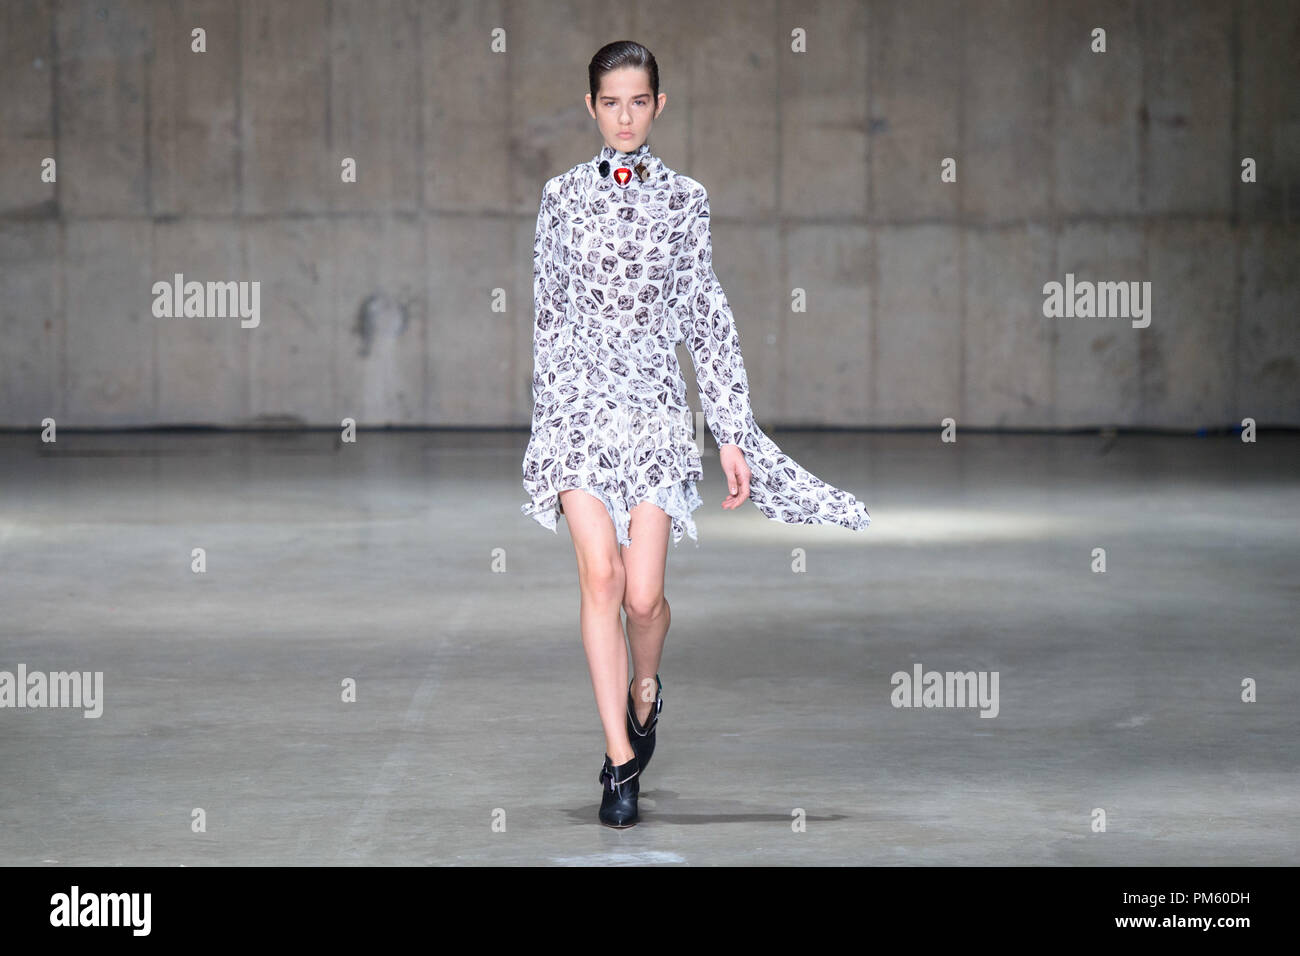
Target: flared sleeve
[[780, 487]]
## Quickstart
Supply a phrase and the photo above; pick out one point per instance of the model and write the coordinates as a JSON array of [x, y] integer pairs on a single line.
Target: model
[[622, 273]]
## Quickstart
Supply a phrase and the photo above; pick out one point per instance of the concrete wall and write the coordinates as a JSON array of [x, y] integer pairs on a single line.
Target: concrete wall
[[924, 297]]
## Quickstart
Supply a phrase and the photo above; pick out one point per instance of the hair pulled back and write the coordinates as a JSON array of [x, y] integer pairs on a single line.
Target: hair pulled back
[[617, 55]]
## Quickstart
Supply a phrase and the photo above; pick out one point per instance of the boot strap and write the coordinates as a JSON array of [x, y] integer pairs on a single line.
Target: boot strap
[[607, 771]]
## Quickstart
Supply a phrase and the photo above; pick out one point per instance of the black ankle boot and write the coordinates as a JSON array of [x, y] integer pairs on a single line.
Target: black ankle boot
[[620, 787], [643, 737]]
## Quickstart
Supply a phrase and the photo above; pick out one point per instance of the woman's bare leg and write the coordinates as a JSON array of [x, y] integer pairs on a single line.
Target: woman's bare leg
[[601, 582], [648, 614]]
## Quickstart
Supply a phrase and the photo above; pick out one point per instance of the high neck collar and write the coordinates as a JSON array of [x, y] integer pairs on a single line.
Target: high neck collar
[[619, 158], [641, 156]]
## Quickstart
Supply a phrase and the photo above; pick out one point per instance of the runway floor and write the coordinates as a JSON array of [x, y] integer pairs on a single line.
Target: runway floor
[[1118, 733]]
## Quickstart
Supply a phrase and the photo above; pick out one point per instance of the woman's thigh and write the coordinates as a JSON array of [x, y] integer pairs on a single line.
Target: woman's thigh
[[600, 566]]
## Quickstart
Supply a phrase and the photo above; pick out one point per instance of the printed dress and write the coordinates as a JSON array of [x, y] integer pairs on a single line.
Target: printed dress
[[622, 273]]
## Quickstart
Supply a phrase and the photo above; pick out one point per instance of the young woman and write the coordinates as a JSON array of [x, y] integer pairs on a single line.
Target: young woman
[[622, 272]]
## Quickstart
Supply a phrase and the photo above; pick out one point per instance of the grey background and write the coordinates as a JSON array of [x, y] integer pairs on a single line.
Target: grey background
[[386, 559], [823, 171]]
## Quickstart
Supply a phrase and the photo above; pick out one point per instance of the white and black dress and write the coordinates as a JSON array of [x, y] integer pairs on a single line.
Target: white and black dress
[[623, 272]]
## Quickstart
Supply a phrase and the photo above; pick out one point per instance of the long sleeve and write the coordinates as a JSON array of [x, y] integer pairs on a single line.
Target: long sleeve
[[709, 330], [780, 487], [550, 296]]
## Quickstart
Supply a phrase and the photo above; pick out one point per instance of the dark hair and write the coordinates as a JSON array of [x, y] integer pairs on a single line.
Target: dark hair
[[619, 54]]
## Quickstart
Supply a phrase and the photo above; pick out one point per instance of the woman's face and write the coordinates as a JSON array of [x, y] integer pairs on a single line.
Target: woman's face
[[625, 108]]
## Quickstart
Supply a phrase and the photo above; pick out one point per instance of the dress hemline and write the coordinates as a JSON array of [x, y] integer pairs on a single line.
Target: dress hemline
[[678, 501]]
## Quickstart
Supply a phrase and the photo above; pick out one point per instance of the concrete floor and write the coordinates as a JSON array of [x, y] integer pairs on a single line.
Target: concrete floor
[[403, 562]]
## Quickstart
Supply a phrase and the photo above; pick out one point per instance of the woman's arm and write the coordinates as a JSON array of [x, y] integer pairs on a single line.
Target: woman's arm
[[550, 284], [709, 330]]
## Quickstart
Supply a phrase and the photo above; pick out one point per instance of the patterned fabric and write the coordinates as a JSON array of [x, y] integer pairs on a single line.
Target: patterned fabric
[[621, 275]]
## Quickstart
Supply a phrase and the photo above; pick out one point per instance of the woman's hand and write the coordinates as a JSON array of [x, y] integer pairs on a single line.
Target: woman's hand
[[735, 471]]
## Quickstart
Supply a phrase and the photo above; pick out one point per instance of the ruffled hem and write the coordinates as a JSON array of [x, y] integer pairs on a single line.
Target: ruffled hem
[[677, 500]]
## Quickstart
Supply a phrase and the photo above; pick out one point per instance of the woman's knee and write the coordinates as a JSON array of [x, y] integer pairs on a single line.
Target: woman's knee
[[602, 578], [643, 606]]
